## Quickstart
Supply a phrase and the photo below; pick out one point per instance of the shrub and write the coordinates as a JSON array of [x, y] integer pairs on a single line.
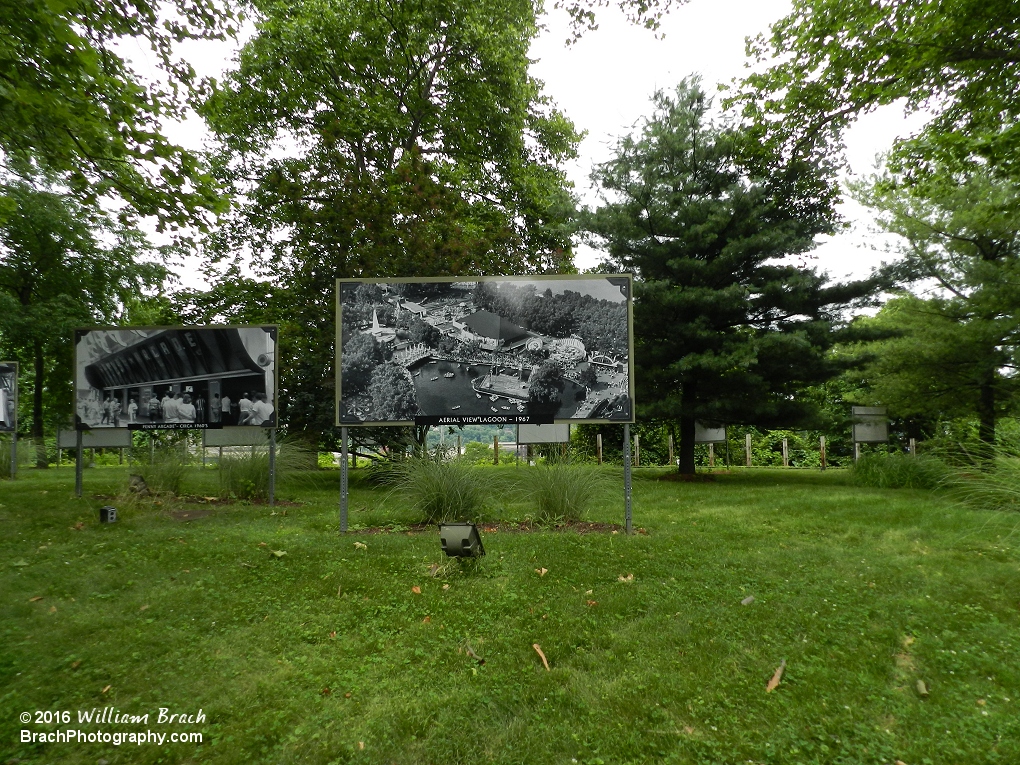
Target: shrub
[[438, 491], [900, 471], [164, 470], [561, 492], [244, 474]]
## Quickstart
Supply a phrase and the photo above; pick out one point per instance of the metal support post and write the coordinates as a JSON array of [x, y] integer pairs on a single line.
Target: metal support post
[[626, 478], [343, 480], [14, 454], [272, 465], [821, 446], [747, 450]]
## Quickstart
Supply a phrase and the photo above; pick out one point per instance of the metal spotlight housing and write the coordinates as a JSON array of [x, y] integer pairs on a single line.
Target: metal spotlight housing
[[461, 540]]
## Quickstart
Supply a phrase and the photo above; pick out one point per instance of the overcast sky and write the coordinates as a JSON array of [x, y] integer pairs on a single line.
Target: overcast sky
[[605, 81]]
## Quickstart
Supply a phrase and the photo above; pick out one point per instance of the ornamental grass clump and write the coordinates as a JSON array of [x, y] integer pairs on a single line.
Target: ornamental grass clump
[[244, 472], [164, 470], [900, 471], [438, 491], [561, 492]]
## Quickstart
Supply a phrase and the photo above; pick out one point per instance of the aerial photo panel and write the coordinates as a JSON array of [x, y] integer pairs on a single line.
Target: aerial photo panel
[[170, 378], [480, 350]]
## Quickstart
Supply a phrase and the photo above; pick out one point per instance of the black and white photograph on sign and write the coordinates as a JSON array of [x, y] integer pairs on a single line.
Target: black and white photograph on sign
[[8, 396], [164, 378], [536, 349]]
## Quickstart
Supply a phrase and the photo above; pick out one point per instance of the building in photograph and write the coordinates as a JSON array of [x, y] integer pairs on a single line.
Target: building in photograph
[[8, 396], [176, 377]]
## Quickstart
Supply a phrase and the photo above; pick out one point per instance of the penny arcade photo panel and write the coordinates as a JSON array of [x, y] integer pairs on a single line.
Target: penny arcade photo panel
[[503, 350], [165, 378]]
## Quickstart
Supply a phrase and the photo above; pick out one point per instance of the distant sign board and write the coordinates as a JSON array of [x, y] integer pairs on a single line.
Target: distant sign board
[[703, 434], [110, 438], [167, 378], [235, 436], [485, 350], [543, 434], [871, 424], [8, 396]]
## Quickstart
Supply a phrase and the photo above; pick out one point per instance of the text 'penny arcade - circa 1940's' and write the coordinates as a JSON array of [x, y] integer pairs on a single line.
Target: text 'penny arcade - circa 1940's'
[[502, 350], [165, 378]]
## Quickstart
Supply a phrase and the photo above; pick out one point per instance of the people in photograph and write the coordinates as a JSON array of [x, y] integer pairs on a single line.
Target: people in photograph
[[244, 409], [216, 409], [115, 410], [153, 406], [261, 410], [186, 411], [164, 402], [199, 408], [133, 411], [170, 407], [225, 409], [106, 411]]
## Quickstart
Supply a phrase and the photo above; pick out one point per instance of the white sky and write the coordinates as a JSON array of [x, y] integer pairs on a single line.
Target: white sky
[[605, 81]]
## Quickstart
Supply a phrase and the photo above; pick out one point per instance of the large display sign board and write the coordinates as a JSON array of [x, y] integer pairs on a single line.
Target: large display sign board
[[165, 378], [480, 350], [871, 424], [8, 396]]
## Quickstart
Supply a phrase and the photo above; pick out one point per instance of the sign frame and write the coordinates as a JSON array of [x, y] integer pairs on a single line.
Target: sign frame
[[626, 408], [870, 424], [272, 330], [9, 403]]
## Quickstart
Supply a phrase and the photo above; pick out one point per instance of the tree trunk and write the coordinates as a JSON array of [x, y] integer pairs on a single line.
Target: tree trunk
[[986, 409], [686, 444], [37, 407]]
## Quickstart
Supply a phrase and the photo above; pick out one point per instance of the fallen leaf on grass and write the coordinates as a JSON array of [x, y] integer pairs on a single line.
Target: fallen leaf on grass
[[78, 526], [593, 602], [541, 571], [538, 650], [416, 590], [747, 601], [347, 695], [325, 692], [53, 609], [434, 570], [37, 597], [643, 531], [446, 586], [20, 563], [247, 565], [774, 682], [627, 578], [144, 607], [332, 634], [922, 689], [361, 745], [278, 553], [473, 655], [360, 546], [106, 689], [263, 544], [427, 620], [899, 762], [75, 664]]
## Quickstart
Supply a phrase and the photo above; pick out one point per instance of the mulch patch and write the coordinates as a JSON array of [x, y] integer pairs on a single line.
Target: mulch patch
[[577, 527]]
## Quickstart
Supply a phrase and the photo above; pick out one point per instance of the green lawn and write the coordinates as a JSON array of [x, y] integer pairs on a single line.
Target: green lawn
[[328, 655]]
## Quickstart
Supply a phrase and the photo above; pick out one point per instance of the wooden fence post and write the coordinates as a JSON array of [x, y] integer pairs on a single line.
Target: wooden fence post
[[747, 450]]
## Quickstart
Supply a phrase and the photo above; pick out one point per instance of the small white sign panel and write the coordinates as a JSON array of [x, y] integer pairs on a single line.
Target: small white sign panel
[[543, 434], [95, 439], [704, 434], [871, 424]]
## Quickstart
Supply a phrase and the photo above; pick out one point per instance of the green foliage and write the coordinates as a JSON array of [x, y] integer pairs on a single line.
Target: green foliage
[[561, 492], [833, 60], [164, 469], [63, 265], [726, 327], [393, 394], [899, 471], [952, 353], [244, 471], [383, 138], [438, 490], [72, 105]]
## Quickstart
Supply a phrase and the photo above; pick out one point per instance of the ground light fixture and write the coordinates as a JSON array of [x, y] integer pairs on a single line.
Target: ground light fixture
[[461, 540]]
